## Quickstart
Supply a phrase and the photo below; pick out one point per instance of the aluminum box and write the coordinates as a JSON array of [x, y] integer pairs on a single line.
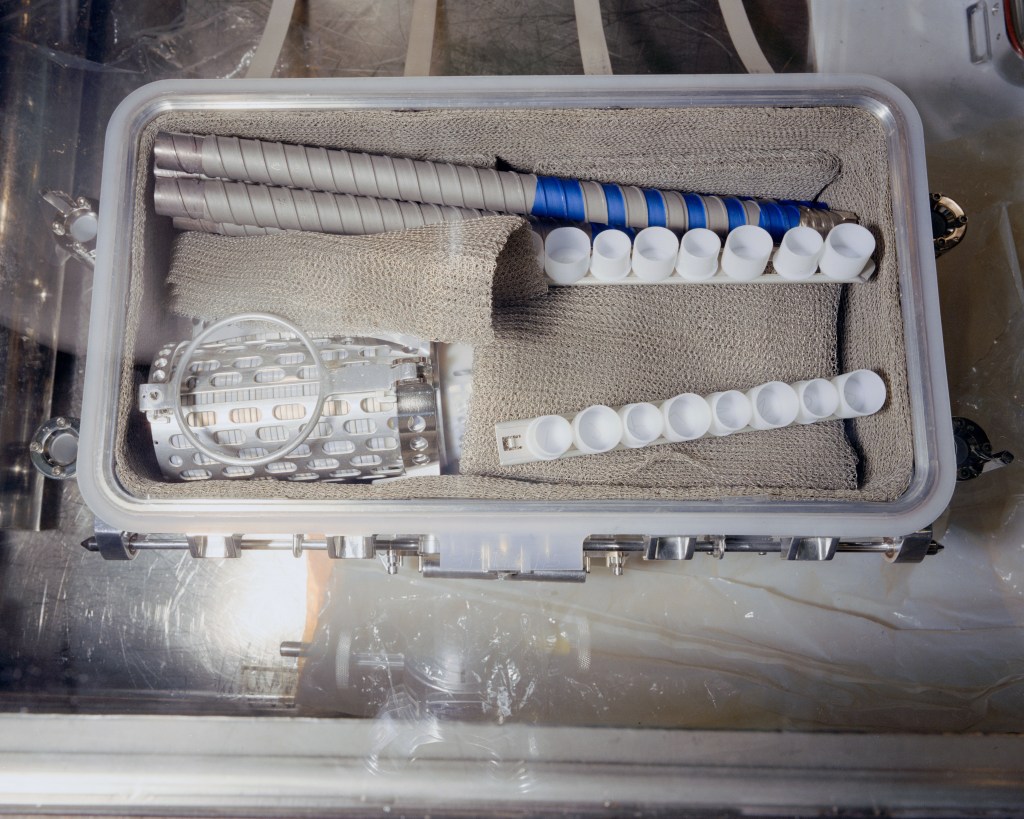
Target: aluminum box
[[532, 536]]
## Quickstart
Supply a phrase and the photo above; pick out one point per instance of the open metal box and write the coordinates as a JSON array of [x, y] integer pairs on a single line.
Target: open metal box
[[525, 538]]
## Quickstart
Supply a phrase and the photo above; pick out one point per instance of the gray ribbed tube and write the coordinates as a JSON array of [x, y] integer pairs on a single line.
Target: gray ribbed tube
[[347, 172], [236, 203], [443, 184], [223, 228]]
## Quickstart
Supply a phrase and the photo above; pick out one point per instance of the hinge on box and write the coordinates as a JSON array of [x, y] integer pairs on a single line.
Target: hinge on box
[[616, 550], [613, 551]]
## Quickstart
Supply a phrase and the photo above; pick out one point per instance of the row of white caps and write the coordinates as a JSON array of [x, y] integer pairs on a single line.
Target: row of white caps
[[657, 254], [689, 416]]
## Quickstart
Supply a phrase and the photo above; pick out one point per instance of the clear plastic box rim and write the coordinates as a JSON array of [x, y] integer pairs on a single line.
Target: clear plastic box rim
[[533, 525]]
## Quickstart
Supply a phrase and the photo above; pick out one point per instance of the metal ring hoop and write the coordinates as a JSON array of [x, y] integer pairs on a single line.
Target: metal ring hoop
[[182, 367]]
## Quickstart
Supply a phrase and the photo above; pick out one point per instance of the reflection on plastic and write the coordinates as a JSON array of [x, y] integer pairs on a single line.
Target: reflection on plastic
[[698, 644], [422, 654], [402, 735]]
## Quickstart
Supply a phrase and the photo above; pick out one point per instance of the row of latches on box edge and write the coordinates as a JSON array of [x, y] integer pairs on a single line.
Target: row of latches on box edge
[[612, 550]]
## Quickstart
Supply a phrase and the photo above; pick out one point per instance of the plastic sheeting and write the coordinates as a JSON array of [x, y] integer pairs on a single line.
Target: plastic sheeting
[[746, 642]]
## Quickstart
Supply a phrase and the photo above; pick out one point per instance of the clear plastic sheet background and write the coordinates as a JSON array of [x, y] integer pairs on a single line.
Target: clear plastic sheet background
[[746, 642]]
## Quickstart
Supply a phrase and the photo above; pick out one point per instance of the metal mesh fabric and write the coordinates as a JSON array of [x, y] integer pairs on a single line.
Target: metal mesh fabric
[[576, 347]]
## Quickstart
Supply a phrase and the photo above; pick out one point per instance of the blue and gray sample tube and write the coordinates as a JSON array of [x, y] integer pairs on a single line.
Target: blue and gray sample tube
[[445, 185]]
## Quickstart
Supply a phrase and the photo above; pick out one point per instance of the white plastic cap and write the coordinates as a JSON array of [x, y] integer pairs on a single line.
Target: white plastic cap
[[819, 399], [773, 405], [798, 253], [861, 392], [641, 424], [610, 260], [747, 249], [548, 437], [687, 417], [654, 254], [566, 255], [597, 429], [730, 412], [848, 247], [698, 254]]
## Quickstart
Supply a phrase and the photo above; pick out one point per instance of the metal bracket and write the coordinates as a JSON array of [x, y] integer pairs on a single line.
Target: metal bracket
[[974, 453], [340, 547], [54, 448], [76, 225], [229, 546], [912, 548], [111, 543], [949, 223], [808, 548]]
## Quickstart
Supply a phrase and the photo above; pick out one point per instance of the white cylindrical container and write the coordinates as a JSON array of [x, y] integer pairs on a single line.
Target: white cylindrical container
[[819, 399], [654, 254], [596, 429], [848, 247], [610, 260], [698, 254], [798, 254], [548, 437], [566, 255], [747, 249], [537, 241], [730, 412], [687, 417], [861, 392], [773, 405], [641, 424]]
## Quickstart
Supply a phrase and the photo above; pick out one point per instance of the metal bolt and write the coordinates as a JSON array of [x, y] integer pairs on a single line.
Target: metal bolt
[[35, 446], [82, 202], [57, 470], [61, 423], [58, 228], [615, 562], [391, 561]]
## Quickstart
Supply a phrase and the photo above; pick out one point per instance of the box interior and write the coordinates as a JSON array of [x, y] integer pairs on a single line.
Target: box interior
[[578, 346]]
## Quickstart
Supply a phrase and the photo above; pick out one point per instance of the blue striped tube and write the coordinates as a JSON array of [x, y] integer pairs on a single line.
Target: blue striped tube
[[624, 206]]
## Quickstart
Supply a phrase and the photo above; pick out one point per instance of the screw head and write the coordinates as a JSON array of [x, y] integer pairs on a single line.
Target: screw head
[[57, 470], [58, 228], [62, 423], [35, 446]]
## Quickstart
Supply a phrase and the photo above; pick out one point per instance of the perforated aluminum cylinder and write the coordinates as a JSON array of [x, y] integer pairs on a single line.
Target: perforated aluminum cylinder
[[249, 396]]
